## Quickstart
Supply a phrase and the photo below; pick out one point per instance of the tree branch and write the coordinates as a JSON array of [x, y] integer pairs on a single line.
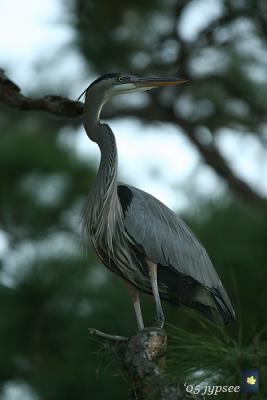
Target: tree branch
[[143, 358], [215, 159], [11, 95]]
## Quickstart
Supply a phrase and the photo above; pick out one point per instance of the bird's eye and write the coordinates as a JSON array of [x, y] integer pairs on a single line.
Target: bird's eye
[[120, 78]]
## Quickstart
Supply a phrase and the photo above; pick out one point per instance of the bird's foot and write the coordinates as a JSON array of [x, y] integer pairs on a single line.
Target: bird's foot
[[159, 323], [107, 336]]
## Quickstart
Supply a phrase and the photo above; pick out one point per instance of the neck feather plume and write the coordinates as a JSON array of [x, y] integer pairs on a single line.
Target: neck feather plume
[[102, 211]]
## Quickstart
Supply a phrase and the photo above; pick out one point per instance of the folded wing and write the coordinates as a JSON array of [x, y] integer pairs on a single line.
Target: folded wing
[[166, 240]]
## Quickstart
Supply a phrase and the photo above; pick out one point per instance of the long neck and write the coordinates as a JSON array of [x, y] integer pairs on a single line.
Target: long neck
[[103, 202], [106, 180], [104, 137]]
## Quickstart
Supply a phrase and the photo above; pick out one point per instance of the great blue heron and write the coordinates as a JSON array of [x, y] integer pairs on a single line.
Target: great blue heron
[[134, 234]]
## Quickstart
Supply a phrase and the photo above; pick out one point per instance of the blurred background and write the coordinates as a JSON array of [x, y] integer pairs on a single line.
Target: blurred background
[[200, 149]]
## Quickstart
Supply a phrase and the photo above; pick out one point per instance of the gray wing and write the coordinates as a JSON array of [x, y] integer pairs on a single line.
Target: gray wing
[[164, 237], [166, 240]]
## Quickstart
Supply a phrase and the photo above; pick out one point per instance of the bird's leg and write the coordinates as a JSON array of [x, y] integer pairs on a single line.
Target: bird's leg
[[136, 302], [155, 290]]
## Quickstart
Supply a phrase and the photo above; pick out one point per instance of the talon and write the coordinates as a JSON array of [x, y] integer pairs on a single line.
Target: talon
[[159, 323]]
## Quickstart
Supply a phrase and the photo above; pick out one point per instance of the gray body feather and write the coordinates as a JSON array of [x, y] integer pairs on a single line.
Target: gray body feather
[[186, 274]]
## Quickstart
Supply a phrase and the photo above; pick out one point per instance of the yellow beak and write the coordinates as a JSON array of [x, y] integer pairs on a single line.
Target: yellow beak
[[157, 82]]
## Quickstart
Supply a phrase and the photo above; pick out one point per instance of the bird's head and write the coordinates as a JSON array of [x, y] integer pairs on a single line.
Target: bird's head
[[113, 84], [109, 85]]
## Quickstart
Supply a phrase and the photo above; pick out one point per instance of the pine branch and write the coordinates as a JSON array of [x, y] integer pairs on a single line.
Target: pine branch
[[142, 358]]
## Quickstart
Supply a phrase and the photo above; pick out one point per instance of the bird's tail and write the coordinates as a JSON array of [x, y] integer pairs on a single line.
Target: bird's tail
[[224, 305], [220, 311]]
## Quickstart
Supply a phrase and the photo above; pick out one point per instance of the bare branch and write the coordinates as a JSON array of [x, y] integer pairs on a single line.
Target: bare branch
[[214, 159], [104, 335], [11, 96]]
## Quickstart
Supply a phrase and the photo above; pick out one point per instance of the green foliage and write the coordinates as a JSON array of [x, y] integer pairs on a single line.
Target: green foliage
[[49, 296], [235, 235], [210, 355], [118, 31]]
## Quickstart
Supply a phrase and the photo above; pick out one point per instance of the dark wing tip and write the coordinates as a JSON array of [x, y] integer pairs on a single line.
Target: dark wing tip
[[224, 305]]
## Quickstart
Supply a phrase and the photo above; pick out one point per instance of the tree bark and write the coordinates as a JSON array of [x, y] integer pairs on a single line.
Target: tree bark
[[142, 357]]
